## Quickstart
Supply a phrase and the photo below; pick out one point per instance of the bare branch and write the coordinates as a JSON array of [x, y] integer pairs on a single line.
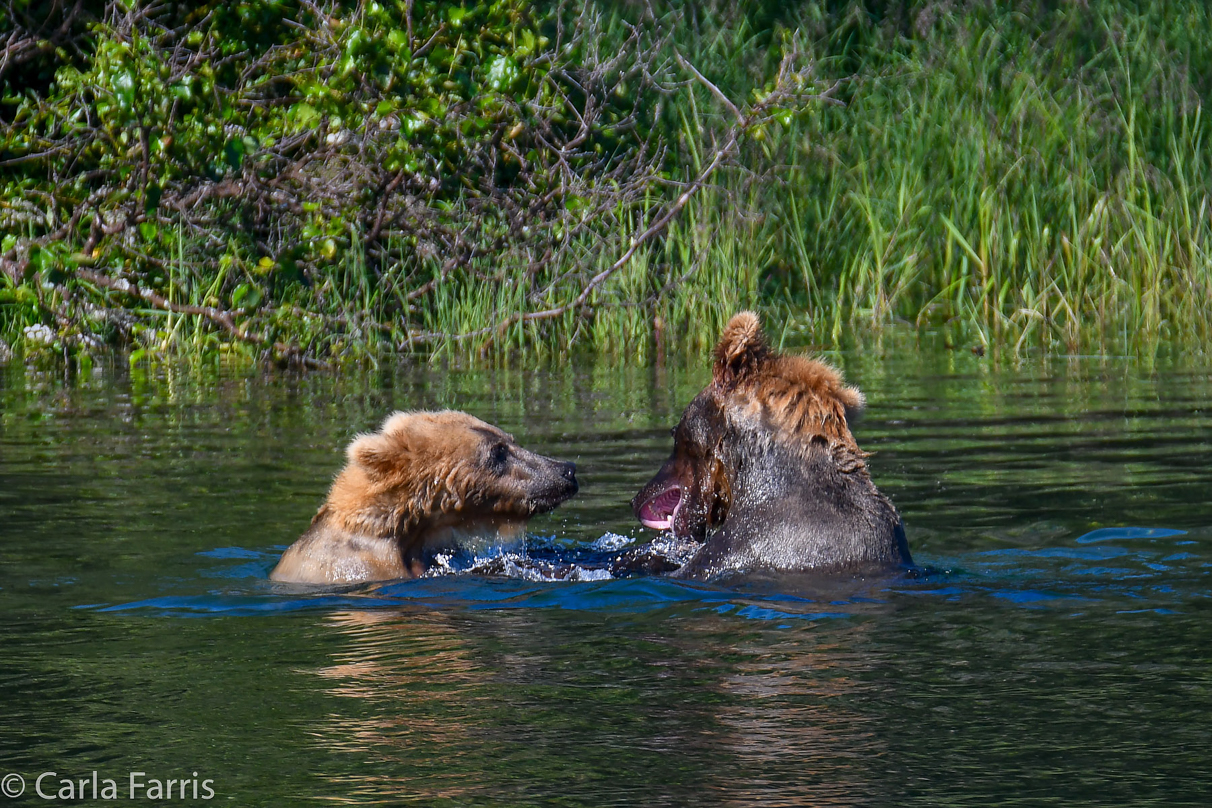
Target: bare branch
[[719, 95]]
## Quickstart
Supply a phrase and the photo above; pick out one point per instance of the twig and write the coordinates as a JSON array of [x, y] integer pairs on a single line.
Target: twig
[[744, 121], [719, 95]]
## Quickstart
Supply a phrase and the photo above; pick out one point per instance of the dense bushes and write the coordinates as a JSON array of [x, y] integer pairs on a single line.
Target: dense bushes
[[353, 178], [320, 168]]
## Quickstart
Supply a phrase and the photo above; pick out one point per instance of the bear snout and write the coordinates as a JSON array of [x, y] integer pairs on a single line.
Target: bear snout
[[567, 473], [570, 474], [547, 481]]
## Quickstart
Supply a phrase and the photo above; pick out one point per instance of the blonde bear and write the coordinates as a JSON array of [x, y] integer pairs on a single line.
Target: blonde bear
[[425, 482]]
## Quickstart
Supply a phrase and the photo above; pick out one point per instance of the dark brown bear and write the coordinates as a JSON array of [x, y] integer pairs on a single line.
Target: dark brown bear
[[766, 474], [426, 481]]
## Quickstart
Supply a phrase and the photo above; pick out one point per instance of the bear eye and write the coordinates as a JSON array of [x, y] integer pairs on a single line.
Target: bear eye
[[500, 453]]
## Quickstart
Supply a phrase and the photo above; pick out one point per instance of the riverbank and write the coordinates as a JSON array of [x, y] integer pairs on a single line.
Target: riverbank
[[1015, 180]]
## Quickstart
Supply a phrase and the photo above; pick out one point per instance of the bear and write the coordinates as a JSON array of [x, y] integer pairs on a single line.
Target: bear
[[765, 476], [425, 482]]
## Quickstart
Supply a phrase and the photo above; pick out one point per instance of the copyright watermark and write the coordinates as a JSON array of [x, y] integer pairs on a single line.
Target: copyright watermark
[[134, 786], [12, 785]]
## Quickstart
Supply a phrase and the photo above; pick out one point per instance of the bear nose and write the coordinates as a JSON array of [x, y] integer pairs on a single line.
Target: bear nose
[[569, 473]]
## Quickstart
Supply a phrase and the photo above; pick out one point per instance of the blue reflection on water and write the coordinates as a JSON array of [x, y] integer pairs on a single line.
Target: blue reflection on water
[[230, 552], [1033, 578], [1108, 533], [1082, 553]]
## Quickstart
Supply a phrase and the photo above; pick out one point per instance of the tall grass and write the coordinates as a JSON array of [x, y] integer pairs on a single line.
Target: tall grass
[[1015, 176], [1018, 180]]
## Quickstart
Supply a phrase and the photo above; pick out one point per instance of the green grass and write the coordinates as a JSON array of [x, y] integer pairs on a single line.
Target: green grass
[[1020, 182], [1019, 177]]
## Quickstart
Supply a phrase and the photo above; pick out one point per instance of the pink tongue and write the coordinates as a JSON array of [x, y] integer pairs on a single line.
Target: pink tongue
[[658, 513]]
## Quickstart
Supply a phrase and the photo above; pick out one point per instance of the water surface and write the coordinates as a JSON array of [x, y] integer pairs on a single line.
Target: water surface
[[1058, 653]]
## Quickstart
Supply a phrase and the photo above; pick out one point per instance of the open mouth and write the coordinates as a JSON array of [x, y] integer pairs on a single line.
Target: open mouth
[[658, 512]]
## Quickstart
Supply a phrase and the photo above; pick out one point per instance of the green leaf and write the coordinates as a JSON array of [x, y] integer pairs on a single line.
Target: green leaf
[[502, 73], [397, 41], [304, 115], [152, 201], [123, 88], [356, 42], [246, 296], [38, 260], [233, 153], [526, 46]]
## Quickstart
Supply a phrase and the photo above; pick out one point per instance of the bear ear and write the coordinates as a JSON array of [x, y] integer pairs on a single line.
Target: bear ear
[[377, 455], [854, 401], [380, 453], [741, 351]]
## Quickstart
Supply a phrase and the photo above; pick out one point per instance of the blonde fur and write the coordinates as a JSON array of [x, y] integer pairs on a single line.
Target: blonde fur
[[417, 465], [416, 482]]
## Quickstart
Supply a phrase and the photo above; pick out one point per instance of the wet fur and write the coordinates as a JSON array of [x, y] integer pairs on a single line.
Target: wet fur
[[425, 481], [770, 474], [800, 401]]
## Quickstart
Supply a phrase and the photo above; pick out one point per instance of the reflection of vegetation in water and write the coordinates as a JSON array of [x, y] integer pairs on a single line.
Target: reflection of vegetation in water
[[465, 707], [1029, 670], [977, 453], [964, 446], [1025, 177]]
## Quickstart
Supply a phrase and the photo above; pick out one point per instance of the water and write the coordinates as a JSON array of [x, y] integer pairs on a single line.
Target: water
[[1058, 653]]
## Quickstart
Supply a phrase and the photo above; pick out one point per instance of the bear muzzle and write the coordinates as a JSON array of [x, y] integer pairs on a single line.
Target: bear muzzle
[[548, 482]]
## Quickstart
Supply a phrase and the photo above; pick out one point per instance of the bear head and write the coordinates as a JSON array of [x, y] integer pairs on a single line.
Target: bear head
[[756, 397], [424, 470]]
